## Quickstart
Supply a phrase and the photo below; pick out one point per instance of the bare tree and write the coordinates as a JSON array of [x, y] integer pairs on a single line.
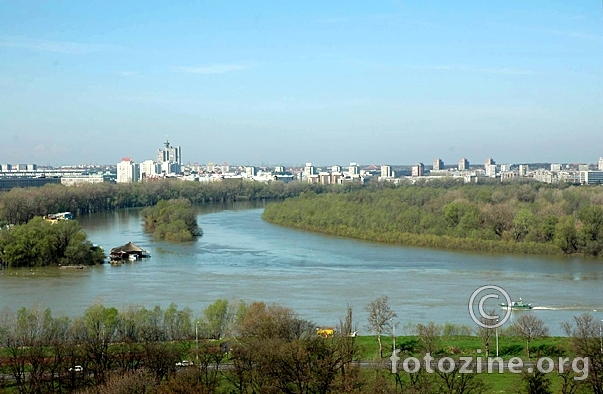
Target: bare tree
[[379, 319], [586, 342], [529, 327], [429, 335], [486, 331]]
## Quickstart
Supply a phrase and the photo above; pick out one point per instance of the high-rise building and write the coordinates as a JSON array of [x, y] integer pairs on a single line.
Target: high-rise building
[[557, 167], [127, 171], [386, 171], [309, 170], [210, 167], [600, 164], [438, 164], [149, 169], [280, 169], [353, 169], [418, 169], [523, 169], [505, 167], [336, 169], [489, 161], [491, 170], [250, 171], [463, 164], [170, 154]]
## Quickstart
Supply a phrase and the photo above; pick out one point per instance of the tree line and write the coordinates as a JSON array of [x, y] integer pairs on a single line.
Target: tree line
[[19, 205], [520, 218], [234, 347], [173, 220], [40, 243]]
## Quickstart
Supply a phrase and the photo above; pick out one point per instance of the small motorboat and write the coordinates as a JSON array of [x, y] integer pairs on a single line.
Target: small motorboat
[[516, 305]]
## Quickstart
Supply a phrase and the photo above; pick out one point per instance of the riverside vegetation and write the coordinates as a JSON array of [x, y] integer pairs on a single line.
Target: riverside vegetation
[[173, 220], [19, 205], [234, 347], [40, 243], [27, 241], [519, 218]]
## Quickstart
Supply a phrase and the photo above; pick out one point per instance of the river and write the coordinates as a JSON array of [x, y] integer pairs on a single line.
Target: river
[[242, 257]]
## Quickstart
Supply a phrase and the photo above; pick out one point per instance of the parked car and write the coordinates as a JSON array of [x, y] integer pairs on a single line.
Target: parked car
[[184, 363], [77, 368]]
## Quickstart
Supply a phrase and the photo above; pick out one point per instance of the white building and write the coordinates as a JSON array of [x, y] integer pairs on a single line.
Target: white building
[[418, 170], [251, 171], [309, 170], [463, 164], [491, 170], [149, 169], [523, 169], [127, 171], [171, 154], [505, 167], [386, 171], [82, 179], [557, 167], [438, 164], [353, 169], [591, 177], [600, 164], [336, 169]]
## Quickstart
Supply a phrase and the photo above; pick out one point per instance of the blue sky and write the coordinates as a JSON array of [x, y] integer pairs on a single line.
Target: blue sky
[[255, 82]]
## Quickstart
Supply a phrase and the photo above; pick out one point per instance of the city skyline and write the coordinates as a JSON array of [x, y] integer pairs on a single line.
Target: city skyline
[[381, 83]]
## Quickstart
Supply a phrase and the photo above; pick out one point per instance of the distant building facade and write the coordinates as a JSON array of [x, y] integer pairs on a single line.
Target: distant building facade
[[127, 171], [386, 171], [591, 177], [463, 164], [171, 154], [438, 164], [418, 169]]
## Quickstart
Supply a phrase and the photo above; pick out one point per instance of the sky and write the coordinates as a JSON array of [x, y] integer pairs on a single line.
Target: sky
[[267, 82]]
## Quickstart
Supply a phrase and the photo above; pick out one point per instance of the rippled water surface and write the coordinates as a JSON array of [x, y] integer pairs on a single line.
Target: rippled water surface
[[240, 256]]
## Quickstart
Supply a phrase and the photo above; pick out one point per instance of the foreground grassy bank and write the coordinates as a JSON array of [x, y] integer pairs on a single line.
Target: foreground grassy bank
[[501, 218]]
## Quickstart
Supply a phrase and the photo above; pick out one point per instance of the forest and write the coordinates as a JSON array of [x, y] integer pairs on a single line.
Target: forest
[[173, 220], [517, 218], [41, 243]]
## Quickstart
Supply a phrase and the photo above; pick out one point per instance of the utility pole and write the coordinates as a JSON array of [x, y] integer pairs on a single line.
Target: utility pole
[[197, 341], [496, 338]]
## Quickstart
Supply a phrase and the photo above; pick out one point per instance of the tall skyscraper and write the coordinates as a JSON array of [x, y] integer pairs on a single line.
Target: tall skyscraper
[[170, 154], [600, 163]]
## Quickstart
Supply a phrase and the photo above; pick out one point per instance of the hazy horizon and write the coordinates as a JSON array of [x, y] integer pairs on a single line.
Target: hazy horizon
[[280, 83]]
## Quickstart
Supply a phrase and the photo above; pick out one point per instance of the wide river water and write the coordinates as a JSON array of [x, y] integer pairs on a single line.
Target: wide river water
[[242, 257]]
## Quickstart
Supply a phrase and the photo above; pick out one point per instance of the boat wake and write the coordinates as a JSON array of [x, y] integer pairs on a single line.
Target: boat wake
[[566, 308]]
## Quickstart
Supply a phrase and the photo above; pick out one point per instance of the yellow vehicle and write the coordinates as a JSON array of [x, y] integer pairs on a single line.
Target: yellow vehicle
[[325, 332]]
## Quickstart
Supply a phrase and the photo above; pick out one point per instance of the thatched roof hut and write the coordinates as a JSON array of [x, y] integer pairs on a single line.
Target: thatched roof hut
[[127, 248], [126, 251]]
